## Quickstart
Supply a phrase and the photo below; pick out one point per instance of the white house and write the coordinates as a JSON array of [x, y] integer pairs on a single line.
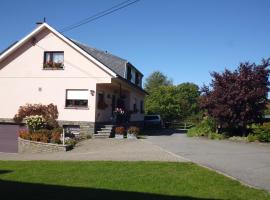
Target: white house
[[86, 84]]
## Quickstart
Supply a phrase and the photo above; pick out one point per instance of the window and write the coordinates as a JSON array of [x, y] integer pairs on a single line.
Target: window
[[138, 79], [53, 60], [128, 73], [77, 98], [141, 107]]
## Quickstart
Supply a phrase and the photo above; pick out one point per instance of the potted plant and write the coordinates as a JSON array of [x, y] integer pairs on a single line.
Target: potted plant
[[119, 132], [119, 114], [132, 132]]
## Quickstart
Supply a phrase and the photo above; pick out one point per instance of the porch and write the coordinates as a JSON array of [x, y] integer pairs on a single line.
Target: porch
[[119, 94]]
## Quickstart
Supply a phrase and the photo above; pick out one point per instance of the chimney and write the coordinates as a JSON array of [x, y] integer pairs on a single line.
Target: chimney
[[40, 23]]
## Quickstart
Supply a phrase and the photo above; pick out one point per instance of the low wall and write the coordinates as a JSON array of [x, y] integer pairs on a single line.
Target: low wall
[[27, 146]]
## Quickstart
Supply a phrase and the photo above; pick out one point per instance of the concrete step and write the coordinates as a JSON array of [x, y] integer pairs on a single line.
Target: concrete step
[[104, 132], [101, 136]]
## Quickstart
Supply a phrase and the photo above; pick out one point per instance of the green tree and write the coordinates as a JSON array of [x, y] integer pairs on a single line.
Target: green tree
[[164, 100], [156, 79], [189, 93]]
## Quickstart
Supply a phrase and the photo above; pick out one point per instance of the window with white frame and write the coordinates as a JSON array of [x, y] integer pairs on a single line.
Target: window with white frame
[[77, 98]]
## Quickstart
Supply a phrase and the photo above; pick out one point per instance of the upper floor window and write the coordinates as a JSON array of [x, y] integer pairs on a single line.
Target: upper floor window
[[53, 60]]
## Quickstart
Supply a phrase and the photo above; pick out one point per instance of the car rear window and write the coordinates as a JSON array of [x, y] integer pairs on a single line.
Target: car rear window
[[150, 117]]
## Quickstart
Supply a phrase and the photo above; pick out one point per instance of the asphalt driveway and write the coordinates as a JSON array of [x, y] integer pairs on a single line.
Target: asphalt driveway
[[247, 162]]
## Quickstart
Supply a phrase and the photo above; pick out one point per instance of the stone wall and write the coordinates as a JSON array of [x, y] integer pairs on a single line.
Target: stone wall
[[27, 146], [86, 128]]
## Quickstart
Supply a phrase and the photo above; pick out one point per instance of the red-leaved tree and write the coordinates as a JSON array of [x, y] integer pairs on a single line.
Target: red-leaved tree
[[237, 98]]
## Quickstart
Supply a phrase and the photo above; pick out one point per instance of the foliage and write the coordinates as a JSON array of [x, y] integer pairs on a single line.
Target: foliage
[[71, 141], [155, 80], [262, 132], [215, 136], [237, 98], [133, 130], [267, 110], [164, 101], [120, 130], [48, 112], [42, 135], [56, 136], [252, 138], [205, 128], [171, 102], [189, 94], [113, 180], [35, 122], [238, 138], [24, 134]]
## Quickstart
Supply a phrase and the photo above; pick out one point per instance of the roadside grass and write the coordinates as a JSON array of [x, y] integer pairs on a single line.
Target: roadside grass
[[118, 180]]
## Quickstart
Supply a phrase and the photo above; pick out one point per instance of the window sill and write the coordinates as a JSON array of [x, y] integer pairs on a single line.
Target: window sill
[[77, 108], [51, 68]]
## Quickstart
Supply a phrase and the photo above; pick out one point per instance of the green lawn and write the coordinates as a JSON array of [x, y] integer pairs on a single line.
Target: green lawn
[[118, 180]]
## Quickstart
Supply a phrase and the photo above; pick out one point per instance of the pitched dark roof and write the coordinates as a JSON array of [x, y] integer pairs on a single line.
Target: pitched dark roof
[[115, 63]]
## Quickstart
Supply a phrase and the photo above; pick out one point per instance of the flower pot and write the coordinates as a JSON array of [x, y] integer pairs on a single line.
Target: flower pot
[[131, 136], [119, 136]]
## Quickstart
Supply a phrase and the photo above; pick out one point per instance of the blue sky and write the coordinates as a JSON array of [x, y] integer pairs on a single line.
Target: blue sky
[[185, 39]]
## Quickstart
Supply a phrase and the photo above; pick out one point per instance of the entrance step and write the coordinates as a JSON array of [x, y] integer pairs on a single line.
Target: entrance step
[[103, 130], [101, 136]]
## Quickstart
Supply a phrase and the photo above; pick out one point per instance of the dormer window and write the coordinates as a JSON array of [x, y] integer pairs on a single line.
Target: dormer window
[[53, 60]]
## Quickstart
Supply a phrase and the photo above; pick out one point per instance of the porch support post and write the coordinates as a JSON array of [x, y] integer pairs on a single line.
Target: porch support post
[[120, 92]]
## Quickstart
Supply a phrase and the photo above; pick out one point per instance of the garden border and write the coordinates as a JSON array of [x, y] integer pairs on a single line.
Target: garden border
[[28, 146]]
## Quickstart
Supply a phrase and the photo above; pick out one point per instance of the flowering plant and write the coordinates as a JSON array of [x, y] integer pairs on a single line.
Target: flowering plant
[[35, 122], [119, 111], [120, 130], [51, 64], [133, 130]]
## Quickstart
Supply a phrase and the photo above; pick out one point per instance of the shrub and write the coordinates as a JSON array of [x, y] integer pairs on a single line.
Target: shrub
[[238, 138], [206, 127], [252, 137], [71, 142], [133, 130], [48, 112], [215, 136], [262, 132], [24, 134], [120, 130], [35, 122], [56, 138]]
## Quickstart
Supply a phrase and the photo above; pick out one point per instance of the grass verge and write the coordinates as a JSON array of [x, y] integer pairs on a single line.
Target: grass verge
[[118, 180]]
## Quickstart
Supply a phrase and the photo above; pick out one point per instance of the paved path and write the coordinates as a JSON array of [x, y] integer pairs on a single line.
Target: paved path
[[103, 149], [247, 162]]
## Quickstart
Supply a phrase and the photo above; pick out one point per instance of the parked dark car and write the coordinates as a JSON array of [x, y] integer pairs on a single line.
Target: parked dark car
[[153, 121]]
